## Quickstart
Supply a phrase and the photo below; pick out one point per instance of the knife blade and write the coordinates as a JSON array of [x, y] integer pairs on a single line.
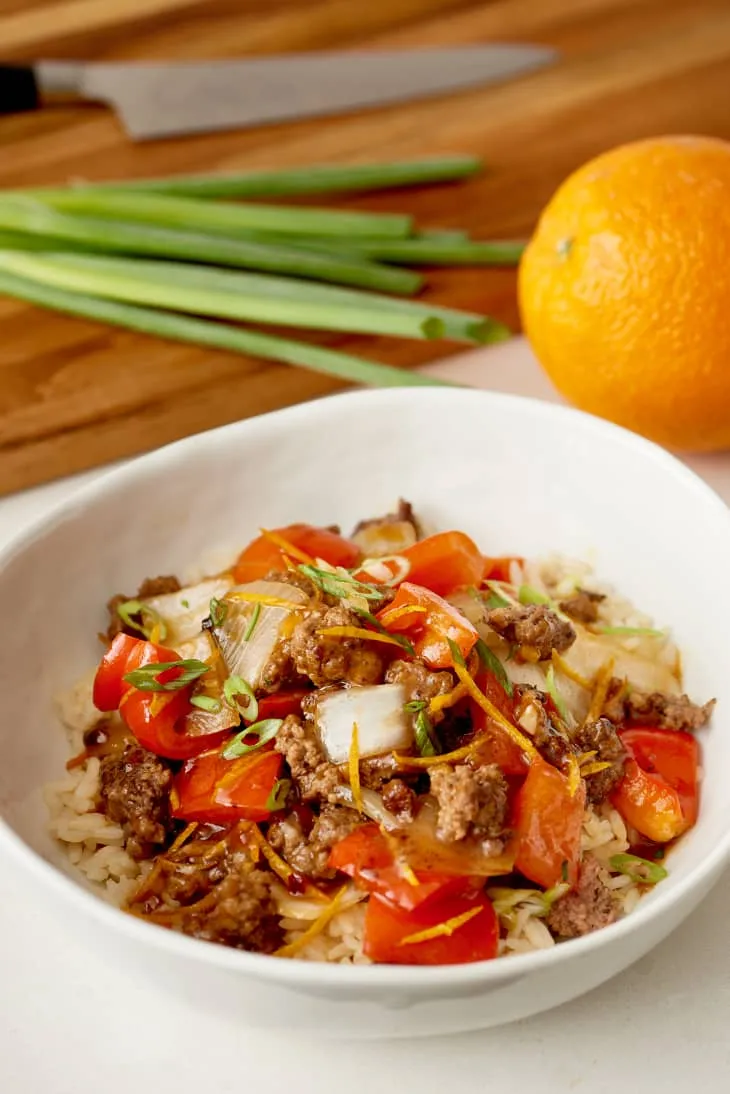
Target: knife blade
[[167, 99]]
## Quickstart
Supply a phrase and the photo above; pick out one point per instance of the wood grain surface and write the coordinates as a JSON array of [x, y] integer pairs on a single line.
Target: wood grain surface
[[74, 394]]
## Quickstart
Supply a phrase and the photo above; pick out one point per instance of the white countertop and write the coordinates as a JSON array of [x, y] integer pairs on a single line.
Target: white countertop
[[71, 1024]]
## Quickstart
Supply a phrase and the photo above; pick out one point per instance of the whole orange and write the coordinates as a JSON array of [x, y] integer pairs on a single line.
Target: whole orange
[[625, 289]]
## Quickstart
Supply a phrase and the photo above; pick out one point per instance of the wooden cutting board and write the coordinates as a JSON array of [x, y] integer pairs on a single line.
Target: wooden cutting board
[[74, 395]]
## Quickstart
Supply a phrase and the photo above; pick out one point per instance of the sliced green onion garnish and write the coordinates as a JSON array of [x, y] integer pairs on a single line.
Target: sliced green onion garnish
[[218, 612], [278, 796], [495, 601], [491, 662], [527, 594], [456, 653], [185, 603], [236, 685], [498, 588], [638, 869], [424, 735], [554, 693], [252, 622], [207, 703], [415, 706], [131, 608], [340, 584], [632, 632], [146, 677], [262, 731]]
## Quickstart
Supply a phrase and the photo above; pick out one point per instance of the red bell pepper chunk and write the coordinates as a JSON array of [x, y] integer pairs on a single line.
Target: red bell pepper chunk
[[157, 719], [388, 928], [659, 793], [548, 823], [282, 703], [367, 858], [496, 747], [444, 562], [262, 554], [212, 790], [498, 569], [431, 626], [124, 655]]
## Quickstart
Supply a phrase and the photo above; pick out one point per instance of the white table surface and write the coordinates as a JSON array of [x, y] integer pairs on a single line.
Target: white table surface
[[72, 1024]]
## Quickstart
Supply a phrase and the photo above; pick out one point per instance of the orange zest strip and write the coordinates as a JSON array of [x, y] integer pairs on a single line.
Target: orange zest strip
[[441, 702], [448, 927], [593, 769], [285, 546], [429, 761], [316, 928], [182, 837], [489, 708], [398, 613], [601, 684], [563, 667], [267, 601], [354, 769], [281, 868], [400, 861], [358, 632], [77, 761], [574, 775]]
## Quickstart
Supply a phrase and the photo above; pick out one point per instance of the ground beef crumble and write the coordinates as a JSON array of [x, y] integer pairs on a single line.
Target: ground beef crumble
[[601, 737], [667, 711], [151, 586], [309, 853], [551, 742], [419, 682], [313, 774], [534, 628], [399, 799], [134, 793], [588, 907], [335, 659], [582, 605], [471, 801]]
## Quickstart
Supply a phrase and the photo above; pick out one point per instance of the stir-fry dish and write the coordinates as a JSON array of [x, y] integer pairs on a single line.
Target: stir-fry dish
[[384, 748]]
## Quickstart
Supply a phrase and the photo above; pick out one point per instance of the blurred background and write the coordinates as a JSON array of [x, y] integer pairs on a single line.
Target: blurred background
[[74, 394]]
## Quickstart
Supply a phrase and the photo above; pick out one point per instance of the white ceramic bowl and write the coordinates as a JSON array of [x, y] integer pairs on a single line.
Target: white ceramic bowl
[[519, 476]]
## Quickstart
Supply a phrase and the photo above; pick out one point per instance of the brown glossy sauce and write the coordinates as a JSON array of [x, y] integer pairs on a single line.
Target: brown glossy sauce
[[107, 737], [652, 852]]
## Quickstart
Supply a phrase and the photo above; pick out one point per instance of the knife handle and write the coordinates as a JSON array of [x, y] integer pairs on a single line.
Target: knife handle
[[18, 89]]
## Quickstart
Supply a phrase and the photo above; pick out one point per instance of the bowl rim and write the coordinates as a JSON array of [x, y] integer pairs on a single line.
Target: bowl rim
[[306, 974]]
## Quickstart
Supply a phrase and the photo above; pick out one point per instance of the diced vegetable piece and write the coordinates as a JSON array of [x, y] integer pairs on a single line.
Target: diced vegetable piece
[[125, 654], [218, 715], [548, 822], [282, 703], [247, 651], [263, 554], [382, 723], [184, 611], [386, 537], [496, 745], [212, 790], [432, 630], [455, 931], [422, 848], [499, 569], [659, 793], [445, 561], [367, 856]]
